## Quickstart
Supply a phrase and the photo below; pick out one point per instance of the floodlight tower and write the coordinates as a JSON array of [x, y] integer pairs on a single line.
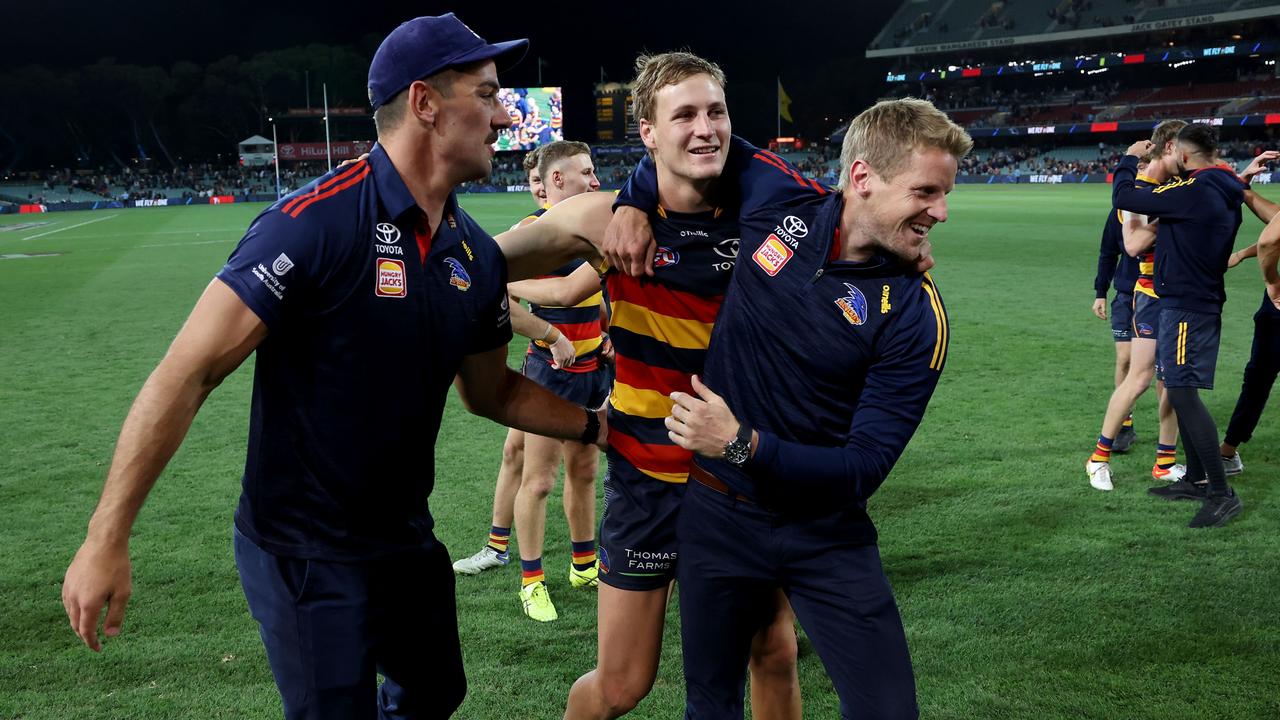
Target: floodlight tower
[[275, 149]]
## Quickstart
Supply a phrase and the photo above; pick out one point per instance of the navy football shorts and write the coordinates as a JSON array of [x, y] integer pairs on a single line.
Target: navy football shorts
[[1146, 317], [1188, 348], [638, 528], [588, 389], [1122, 317]]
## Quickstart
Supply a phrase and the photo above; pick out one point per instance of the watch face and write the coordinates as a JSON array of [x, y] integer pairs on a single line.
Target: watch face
[[736, 451]]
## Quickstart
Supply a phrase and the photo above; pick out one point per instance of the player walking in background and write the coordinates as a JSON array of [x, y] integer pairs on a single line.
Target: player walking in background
[[1264, 355], [1138, 238], [1114, 262], [494, 553], [566, 170], [1199, 217]]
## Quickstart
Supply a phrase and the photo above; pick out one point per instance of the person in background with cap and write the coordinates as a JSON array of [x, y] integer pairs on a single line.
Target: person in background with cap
[[364, 295]]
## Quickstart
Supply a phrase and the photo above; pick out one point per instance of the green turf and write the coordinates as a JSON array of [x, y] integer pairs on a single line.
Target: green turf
[[1025, 593]]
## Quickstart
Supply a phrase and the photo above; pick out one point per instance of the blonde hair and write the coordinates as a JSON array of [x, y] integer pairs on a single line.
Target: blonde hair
[[554, 152], [885, 134], [654, 72], [1164, 132]]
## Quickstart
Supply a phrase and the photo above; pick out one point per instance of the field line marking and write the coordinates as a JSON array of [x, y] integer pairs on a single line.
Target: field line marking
[[69, 227]]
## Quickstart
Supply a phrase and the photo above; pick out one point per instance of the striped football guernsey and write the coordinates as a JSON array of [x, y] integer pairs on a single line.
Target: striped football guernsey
[[660, 329], [1147, 258], [580, 323]]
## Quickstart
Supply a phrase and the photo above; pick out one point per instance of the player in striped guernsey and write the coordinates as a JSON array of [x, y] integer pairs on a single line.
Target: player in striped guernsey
[[566, 170], [661, 325], [494, 553], [1139, 241]]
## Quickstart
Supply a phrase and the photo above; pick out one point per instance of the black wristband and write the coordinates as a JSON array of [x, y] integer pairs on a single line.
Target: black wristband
[[591, 432]]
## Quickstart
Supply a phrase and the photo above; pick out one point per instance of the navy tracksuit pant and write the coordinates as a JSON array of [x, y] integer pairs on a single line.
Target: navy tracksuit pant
[[735, 554], [1259, 375]]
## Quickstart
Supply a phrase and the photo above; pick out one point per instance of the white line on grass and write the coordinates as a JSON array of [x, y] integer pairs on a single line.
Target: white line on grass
[[69, 227]]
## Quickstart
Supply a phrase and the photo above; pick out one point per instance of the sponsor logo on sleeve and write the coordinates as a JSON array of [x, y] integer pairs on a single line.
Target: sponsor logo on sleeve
[[458, 276], [853, 305], [282, 265], [390, 278], [772, 255]]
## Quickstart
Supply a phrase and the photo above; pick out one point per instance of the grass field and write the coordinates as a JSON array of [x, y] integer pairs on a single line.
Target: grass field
[[1025, 593]]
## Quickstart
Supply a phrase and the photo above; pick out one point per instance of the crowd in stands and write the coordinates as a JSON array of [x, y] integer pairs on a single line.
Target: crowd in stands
[[190, 181], [1036, 161]]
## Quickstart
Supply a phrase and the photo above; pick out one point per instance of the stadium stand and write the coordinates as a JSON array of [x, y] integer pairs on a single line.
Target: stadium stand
[[921, 22]]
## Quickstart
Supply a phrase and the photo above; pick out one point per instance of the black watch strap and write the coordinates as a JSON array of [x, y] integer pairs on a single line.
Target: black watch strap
[[591, 432]]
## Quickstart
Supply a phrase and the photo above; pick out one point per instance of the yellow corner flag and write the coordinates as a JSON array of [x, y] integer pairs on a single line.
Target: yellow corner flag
[[784, 103]]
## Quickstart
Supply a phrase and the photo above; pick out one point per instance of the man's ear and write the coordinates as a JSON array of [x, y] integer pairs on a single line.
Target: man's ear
[[424, 102], [860, 174], [646, 134]]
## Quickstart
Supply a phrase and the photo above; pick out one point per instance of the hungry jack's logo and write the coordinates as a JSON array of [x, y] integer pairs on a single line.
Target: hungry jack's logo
[[390, 278]]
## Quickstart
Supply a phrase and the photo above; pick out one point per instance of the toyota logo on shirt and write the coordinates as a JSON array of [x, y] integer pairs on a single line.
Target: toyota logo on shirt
[[795, 226]]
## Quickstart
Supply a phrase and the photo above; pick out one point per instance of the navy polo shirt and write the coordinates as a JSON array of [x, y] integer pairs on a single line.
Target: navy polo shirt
[[365, 338], [833, 363]]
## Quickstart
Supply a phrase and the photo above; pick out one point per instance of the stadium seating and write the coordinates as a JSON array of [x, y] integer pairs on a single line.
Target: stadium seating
[[921, 22]]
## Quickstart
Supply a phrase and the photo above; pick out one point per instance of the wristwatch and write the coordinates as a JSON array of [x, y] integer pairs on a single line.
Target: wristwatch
[[738, 450]]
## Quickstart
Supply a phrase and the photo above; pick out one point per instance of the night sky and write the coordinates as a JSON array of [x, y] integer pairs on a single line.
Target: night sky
[[815, 47]]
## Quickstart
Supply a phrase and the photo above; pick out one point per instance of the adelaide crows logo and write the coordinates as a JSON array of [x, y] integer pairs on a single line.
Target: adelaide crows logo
[[853, 306], [458, 276]]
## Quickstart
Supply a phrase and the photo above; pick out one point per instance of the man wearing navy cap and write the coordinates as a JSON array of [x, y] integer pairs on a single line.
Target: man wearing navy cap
[[364, 295]]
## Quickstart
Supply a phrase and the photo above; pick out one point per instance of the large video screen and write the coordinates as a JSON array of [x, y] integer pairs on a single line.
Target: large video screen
[[536, 118]]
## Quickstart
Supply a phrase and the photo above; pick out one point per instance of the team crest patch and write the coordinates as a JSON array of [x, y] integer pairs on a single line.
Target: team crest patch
[[602, 561], [1145, 329], [458, 276], [390, 278], [853, 306], [772, 255], [665, 257]]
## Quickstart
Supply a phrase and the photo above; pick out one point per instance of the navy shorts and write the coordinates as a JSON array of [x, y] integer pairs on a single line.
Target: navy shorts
[[588, 389], [1122, 317], [1146, 316], [1188, 349], [737, 554], [638, 529], [331, 628]]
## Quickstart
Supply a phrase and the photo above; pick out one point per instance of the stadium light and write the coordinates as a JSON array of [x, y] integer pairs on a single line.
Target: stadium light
[[275, 150]]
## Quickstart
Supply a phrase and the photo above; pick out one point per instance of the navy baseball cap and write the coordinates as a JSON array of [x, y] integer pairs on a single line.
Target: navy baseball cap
[[426, 45]]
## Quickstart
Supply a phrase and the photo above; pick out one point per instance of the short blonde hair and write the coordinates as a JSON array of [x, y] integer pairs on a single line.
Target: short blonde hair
[[554, 152], [654, 72], [1164, 132], [885, 134]]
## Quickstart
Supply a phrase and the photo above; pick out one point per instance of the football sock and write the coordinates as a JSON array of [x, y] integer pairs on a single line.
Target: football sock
[[531, 571], [1102, 453], [584, 554], [1166, 455], [499, 537]]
